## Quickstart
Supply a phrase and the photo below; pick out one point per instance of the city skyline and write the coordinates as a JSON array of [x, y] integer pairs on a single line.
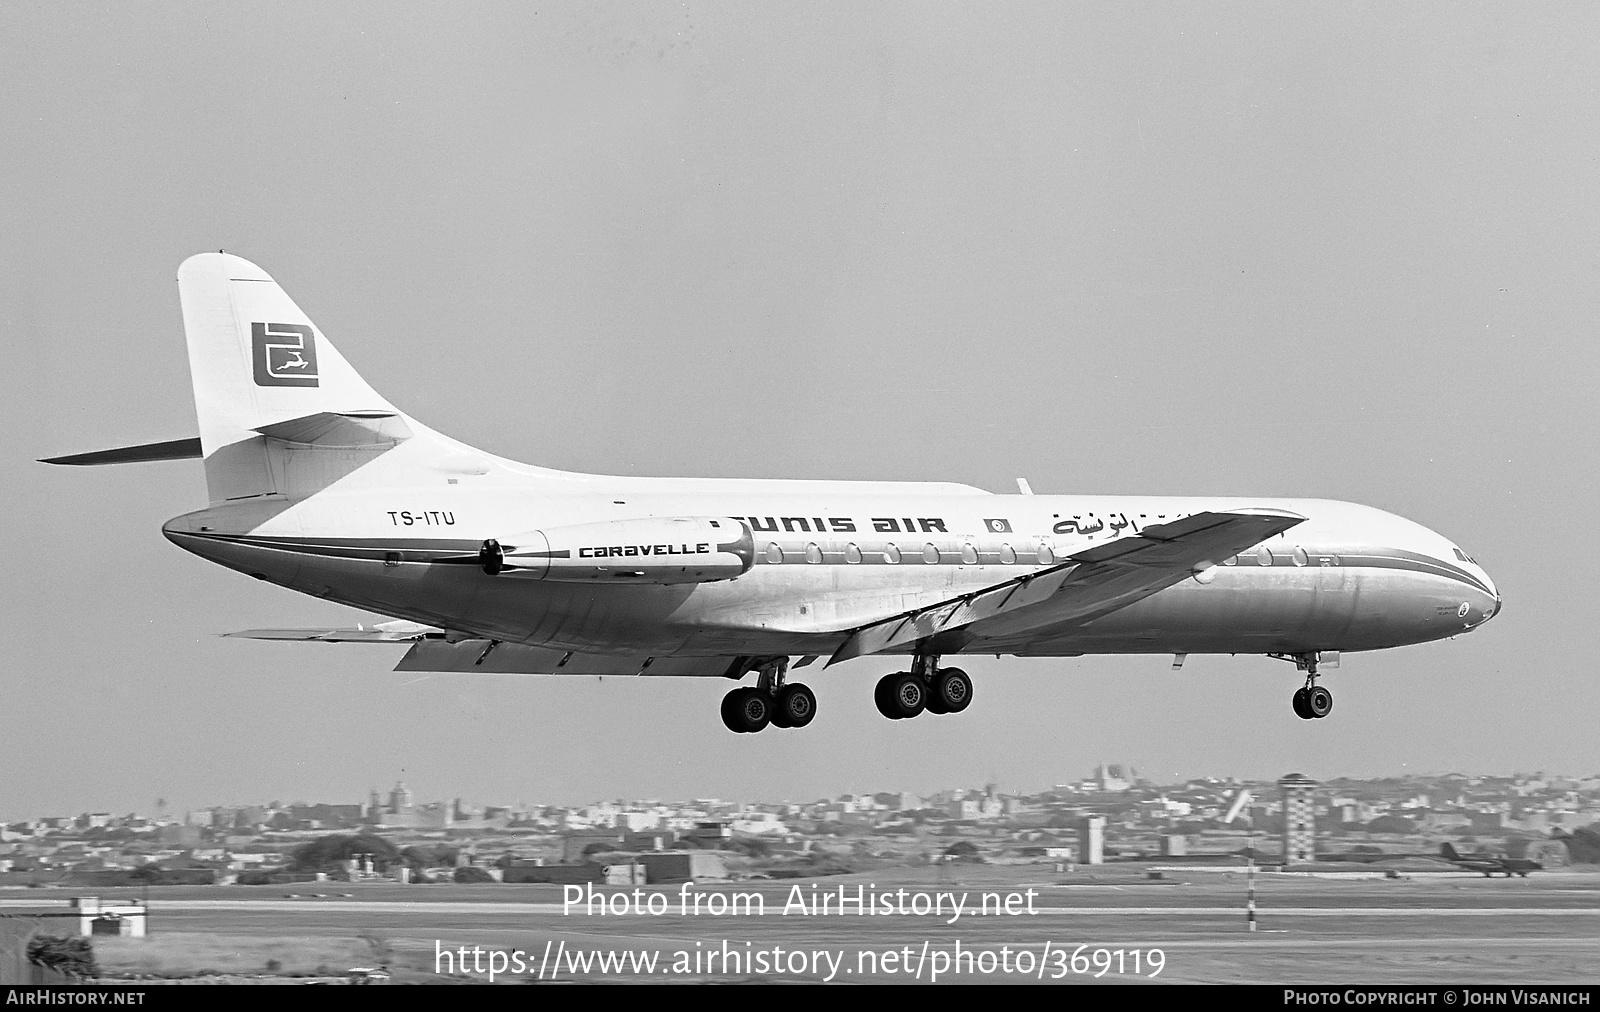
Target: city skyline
[[1130, 776]]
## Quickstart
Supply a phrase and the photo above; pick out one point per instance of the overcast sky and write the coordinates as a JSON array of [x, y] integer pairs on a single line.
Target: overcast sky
[[1336, 250]]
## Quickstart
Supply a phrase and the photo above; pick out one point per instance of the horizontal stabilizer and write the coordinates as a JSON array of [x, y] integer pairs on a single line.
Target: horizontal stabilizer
[[172, 449], [341, 429], [382, 632]]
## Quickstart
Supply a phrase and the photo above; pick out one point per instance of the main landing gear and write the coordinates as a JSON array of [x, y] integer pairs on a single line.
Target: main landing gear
[[926, 687], [1311, 701], [769, 703]]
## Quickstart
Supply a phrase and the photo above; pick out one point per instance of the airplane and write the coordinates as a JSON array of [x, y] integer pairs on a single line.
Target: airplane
[[1489, 864], [319, 484]]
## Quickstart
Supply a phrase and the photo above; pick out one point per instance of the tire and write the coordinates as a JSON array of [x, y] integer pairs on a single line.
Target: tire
[[952, 690], [727, 711], [796, 705], [908, 695], [752, 710], [1319, 702], [1300, 704], [880, 695]]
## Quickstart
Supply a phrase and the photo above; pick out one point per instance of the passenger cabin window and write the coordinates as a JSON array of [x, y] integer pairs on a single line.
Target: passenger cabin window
[[813, 554], [774, 553], [969, 555], [930, 554], [1263, 556], [1046, 556], [1008, 555], [852, 554], [1298, 555], [891, 554]]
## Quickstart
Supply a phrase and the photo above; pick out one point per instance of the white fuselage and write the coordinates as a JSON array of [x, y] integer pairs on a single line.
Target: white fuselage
[[830, 557]]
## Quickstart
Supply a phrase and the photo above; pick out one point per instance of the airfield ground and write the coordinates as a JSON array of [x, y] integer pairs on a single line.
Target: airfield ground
[[1331, 929]]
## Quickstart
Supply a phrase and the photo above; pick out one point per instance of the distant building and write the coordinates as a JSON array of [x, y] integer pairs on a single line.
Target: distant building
[[966, 809], [757, 824], [711, 833], [578, 846], [399, 799], [181, 836], [1093, 845], [898, 801], [635, 822], [537, 871], [1112, 779], [683, 865], [1299, 819]]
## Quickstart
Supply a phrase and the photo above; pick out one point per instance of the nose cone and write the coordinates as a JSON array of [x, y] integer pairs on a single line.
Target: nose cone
[[1487, 607]]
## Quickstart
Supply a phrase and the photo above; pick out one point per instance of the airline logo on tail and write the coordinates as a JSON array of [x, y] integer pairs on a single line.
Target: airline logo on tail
[[284, 354]]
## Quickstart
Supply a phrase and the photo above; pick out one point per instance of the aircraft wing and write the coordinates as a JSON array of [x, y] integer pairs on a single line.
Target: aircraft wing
[[1090, 583]]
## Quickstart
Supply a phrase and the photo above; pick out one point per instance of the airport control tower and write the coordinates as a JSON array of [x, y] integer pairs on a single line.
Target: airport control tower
[[1299, 819]]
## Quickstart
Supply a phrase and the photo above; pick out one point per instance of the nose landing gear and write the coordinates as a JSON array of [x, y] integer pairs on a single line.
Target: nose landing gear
[[1311, 701]]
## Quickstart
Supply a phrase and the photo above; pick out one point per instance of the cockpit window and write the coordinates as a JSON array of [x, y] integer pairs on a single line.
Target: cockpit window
[[1463, 556]]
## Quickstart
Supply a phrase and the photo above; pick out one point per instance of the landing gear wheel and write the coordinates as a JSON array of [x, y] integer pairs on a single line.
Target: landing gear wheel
[[1300, 709], [796, 705], [751, 710], [1319, 702], [908, 695], [952, 691], [881, 695], [728, 704]]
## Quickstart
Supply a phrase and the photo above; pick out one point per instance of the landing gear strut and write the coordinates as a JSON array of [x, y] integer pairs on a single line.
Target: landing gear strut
[[769, 703], [925, 688], [1311, 701]]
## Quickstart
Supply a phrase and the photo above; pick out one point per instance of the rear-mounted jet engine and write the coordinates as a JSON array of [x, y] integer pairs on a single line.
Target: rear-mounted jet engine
[[652, 550]]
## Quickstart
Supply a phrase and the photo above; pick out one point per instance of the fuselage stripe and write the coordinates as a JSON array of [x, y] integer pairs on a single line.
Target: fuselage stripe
[[429, 550]]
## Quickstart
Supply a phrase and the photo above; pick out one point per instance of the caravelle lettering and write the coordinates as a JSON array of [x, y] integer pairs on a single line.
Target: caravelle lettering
[[634, 551]]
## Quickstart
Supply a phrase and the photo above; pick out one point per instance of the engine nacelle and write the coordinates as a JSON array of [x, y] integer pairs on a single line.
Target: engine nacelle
[[649, 550]]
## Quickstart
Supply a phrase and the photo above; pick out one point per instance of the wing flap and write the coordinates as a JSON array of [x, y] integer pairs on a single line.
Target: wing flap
[[928, 622], [1090, 583], [441, 650], [493, 657]]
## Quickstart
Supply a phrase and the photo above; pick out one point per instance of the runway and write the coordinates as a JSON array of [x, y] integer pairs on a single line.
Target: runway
[[1102, 926]]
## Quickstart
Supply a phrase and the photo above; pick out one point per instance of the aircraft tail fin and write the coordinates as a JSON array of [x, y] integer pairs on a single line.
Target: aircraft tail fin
[[1448, 852], [266, 379]]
